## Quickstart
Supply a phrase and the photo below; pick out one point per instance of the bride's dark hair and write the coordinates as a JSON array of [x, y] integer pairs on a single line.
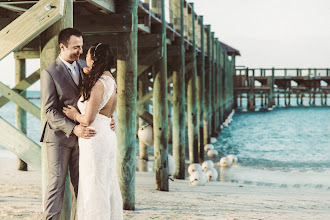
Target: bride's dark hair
[[103, 61]]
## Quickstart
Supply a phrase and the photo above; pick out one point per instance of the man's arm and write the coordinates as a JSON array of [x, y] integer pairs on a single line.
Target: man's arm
[[55, 117]]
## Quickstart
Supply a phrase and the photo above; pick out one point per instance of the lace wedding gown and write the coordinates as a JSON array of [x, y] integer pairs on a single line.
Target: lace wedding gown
[[99, 194]]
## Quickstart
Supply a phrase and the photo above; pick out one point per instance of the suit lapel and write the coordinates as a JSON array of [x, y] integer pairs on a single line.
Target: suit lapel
[[63, 70]]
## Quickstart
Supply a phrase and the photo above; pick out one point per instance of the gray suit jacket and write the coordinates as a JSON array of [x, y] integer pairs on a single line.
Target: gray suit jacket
[[58, 90]]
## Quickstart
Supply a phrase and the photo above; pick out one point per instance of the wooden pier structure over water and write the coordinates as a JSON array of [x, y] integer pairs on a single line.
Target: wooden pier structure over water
[[167, 58], [285, 83]]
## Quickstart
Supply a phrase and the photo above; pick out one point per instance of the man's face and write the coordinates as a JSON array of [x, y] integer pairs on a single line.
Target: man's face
[[74, 49]]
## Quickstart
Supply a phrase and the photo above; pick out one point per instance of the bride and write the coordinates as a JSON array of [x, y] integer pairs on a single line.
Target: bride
[[99, 194]]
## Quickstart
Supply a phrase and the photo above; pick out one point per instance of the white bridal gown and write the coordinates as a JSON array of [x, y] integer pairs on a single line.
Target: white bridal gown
[[99, 196]]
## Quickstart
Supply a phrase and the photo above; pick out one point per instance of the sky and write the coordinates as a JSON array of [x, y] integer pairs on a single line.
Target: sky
[[268, 33]]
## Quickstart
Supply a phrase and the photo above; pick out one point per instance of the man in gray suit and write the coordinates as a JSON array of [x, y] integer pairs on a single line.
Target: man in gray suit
[[60, 85]]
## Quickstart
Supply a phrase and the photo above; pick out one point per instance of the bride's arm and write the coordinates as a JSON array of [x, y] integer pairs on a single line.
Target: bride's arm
[[91, 106]]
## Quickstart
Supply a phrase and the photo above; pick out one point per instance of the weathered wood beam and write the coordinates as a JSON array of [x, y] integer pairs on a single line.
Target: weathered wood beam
[[192, 100], [107, 23], [144, 114], [20, 116], [19, 100], [200, 95], [13, 8], [126, 106], [160, 119], [145, 98], [29, 25], [106, 5], [17, 142], [147, 58], [142, 90], [179, 100], [208, 80], [25, 54], [149, 40], [22, 85]]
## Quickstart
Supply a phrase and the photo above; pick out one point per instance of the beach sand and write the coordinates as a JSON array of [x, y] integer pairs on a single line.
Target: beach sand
[[20, 198]]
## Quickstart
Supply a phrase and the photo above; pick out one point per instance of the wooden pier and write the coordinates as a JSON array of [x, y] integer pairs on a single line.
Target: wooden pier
[[276, 83], [165, 56]]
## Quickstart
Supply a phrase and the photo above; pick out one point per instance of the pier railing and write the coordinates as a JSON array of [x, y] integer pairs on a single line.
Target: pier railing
[[281, 83]]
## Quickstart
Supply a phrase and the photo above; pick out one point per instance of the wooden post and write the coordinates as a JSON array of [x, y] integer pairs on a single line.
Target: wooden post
[[142, 90], [192, 100], [223, 83], [20, 113], [207, 108], [217, 85], [271, 100], [200, 95], [213, 105], [179, 124], [251, 95], [233, 60], [49, 52], [310, 86], [126, 107], [160, 110]]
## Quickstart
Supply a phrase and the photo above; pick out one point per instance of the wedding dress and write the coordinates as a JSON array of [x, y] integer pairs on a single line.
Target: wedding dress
[[99, 194]]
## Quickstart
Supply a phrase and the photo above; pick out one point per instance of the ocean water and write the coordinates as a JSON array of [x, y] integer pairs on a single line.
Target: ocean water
[[285, 147]]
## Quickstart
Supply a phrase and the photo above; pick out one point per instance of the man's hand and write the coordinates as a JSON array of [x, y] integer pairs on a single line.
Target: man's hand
[[112, 124], [84, 132]]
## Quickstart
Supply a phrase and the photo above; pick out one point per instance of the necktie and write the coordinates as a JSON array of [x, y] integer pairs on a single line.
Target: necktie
[[74, 74]]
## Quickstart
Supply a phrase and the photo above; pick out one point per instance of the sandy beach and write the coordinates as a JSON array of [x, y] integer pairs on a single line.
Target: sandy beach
[[20, 198]]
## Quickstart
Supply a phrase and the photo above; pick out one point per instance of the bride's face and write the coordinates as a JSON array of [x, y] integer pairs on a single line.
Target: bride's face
[[89, 60]]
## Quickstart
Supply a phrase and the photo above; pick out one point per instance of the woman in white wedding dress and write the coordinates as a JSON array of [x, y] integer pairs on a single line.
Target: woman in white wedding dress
[[99, 194]]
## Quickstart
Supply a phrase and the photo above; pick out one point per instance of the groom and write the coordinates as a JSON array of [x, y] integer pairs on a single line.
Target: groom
[[60, 85]]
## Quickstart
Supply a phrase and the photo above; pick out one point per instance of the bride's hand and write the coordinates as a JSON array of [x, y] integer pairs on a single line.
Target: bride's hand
[[70, 111]]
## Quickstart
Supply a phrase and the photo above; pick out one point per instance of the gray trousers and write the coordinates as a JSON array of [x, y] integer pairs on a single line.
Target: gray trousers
[[60, 158]]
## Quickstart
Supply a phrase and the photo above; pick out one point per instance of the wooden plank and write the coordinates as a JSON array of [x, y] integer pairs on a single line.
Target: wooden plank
[[149, 40], [24, 54], [29, 25], [107, 23], [106, 5], [13, 8], [19, 100], [148, 58], [23, 85], [20, 144]]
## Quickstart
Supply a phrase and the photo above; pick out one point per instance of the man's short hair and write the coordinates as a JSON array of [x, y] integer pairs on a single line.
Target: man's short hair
[[65, 34]]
